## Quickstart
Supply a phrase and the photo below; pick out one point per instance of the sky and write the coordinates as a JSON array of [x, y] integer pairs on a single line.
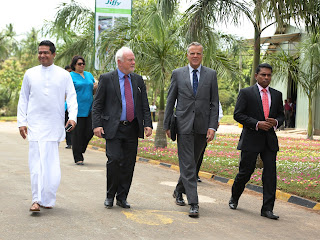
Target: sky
[[25, 14]]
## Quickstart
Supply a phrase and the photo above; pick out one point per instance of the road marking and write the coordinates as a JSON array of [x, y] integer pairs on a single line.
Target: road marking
[[171, 184], [205, 199], [202, 198], [152, 217]]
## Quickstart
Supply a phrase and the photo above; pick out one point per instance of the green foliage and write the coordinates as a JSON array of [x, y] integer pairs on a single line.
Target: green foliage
[[8, 44], [28, 50], [73, 29], [11, 77]]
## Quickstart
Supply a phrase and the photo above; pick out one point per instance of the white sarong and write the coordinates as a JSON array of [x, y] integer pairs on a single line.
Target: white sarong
[[45, 173]]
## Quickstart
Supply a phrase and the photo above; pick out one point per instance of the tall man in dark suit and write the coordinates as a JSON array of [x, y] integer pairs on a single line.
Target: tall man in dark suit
[[121, 114], [259, 109], [194, 89]]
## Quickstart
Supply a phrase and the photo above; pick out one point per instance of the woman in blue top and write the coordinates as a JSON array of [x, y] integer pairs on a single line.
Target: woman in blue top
[[84, 84]]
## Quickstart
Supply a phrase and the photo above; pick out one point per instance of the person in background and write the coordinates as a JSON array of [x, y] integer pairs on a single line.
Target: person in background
[[287, 113], [293, 115], [153, 109], [84, 84], [68, 133], [202, 154], [44, 90]]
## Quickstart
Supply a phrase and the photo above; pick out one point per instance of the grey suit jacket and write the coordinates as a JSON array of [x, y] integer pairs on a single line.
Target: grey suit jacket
[[107, 105], [194, 113]]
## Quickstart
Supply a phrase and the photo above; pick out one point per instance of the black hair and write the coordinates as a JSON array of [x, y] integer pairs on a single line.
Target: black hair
[[67, 67], [263, 65], [75, 60], [49, 44]]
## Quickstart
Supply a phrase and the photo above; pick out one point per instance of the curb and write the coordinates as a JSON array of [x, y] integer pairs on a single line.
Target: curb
[[287, 197], [279, 194]]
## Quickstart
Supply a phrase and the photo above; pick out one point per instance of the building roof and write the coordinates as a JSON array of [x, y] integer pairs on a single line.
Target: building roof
[[278, 38]]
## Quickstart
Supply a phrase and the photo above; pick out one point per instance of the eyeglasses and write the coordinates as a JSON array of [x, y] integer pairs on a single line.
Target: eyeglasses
[[81, 63]]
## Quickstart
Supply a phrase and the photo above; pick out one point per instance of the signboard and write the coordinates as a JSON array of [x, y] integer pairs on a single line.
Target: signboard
[[107, 13]]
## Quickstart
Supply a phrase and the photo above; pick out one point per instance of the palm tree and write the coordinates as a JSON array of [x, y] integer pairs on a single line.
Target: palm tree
[[28, 50], [74, 26], [280, 12], [7, 42]]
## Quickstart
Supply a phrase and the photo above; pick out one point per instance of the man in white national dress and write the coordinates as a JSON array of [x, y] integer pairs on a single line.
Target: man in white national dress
[[40, 117]]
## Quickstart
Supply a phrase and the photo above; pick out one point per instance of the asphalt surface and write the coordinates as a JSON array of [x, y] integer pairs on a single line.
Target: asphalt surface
[[80, 214]]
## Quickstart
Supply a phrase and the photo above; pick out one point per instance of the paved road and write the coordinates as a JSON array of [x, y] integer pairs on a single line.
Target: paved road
[[80, 213]]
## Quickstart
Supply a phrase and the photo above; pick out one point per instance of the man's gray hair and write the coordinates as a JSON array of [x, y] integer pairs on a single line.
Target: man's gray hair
[[119, 54], [194, 44]]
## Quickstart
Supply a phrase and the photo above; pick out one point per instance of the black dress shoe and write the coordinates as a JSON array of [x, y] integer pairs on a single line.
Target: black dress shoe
[[194, 211], [68, 147], [198, 179], [179, 198], [269, 214], [123, 203], [108, 202], [233, 204]]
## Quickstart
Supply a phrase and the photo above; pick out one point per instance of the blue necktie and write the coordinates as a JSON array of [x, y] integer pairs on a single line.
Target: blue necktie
[[195, 81]]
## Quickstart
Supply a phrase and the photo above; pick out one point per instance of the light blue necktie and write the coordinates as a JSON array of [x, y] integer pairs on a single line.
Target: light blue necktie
[[195, 81]]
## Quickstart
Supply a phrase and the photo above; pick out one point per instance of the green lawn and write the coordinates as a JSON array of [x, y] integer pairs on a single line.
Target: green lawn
[[228, 120], [13, 118], [297, 163]]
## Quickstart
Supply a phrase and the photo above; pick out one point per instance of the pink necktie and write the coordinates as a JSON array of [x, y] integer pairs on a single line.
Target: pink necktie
[[265, 102], [129, 101]]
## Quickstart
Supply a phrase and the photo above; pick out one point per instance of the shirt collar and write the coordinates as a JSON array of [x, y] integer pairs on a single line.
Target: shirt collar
[[191, 69], [260, 88], [121, 74], [48, 67]]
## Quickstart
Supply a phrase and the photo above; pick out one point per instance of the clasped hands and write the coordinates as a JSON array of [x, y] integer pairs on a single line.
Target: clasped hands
[[267, 124]]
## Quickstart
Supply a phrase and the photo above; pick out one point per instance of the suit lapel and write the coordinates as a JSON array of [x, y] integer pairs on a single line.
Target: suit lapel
[[258, 96], [116, 84], [272, 96], [134, 88], [203, 77], [186, 77]]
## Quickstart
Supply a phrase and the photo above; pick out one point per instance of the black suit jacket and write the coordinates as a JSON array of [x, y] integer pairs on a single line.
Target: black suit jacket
[[107, 105], [248, 111]]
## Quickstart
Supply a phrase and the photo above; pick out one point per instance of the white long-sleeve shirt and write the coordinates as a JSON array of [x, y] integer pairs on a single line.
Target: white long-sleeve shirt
[[41, 104]]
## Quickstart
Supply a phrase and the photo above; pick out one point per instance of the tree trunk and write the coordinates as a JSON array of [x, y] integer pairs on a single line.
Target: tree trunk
[[256, 58], [256, 55], [240, 69], [310, 120], [257, 35], [161, 138]]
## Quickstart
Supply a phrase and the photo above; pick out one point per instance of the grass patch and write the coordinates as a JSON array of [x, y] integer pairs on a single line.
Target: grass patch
[[298, 161], [228, 120], [5, 118]]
